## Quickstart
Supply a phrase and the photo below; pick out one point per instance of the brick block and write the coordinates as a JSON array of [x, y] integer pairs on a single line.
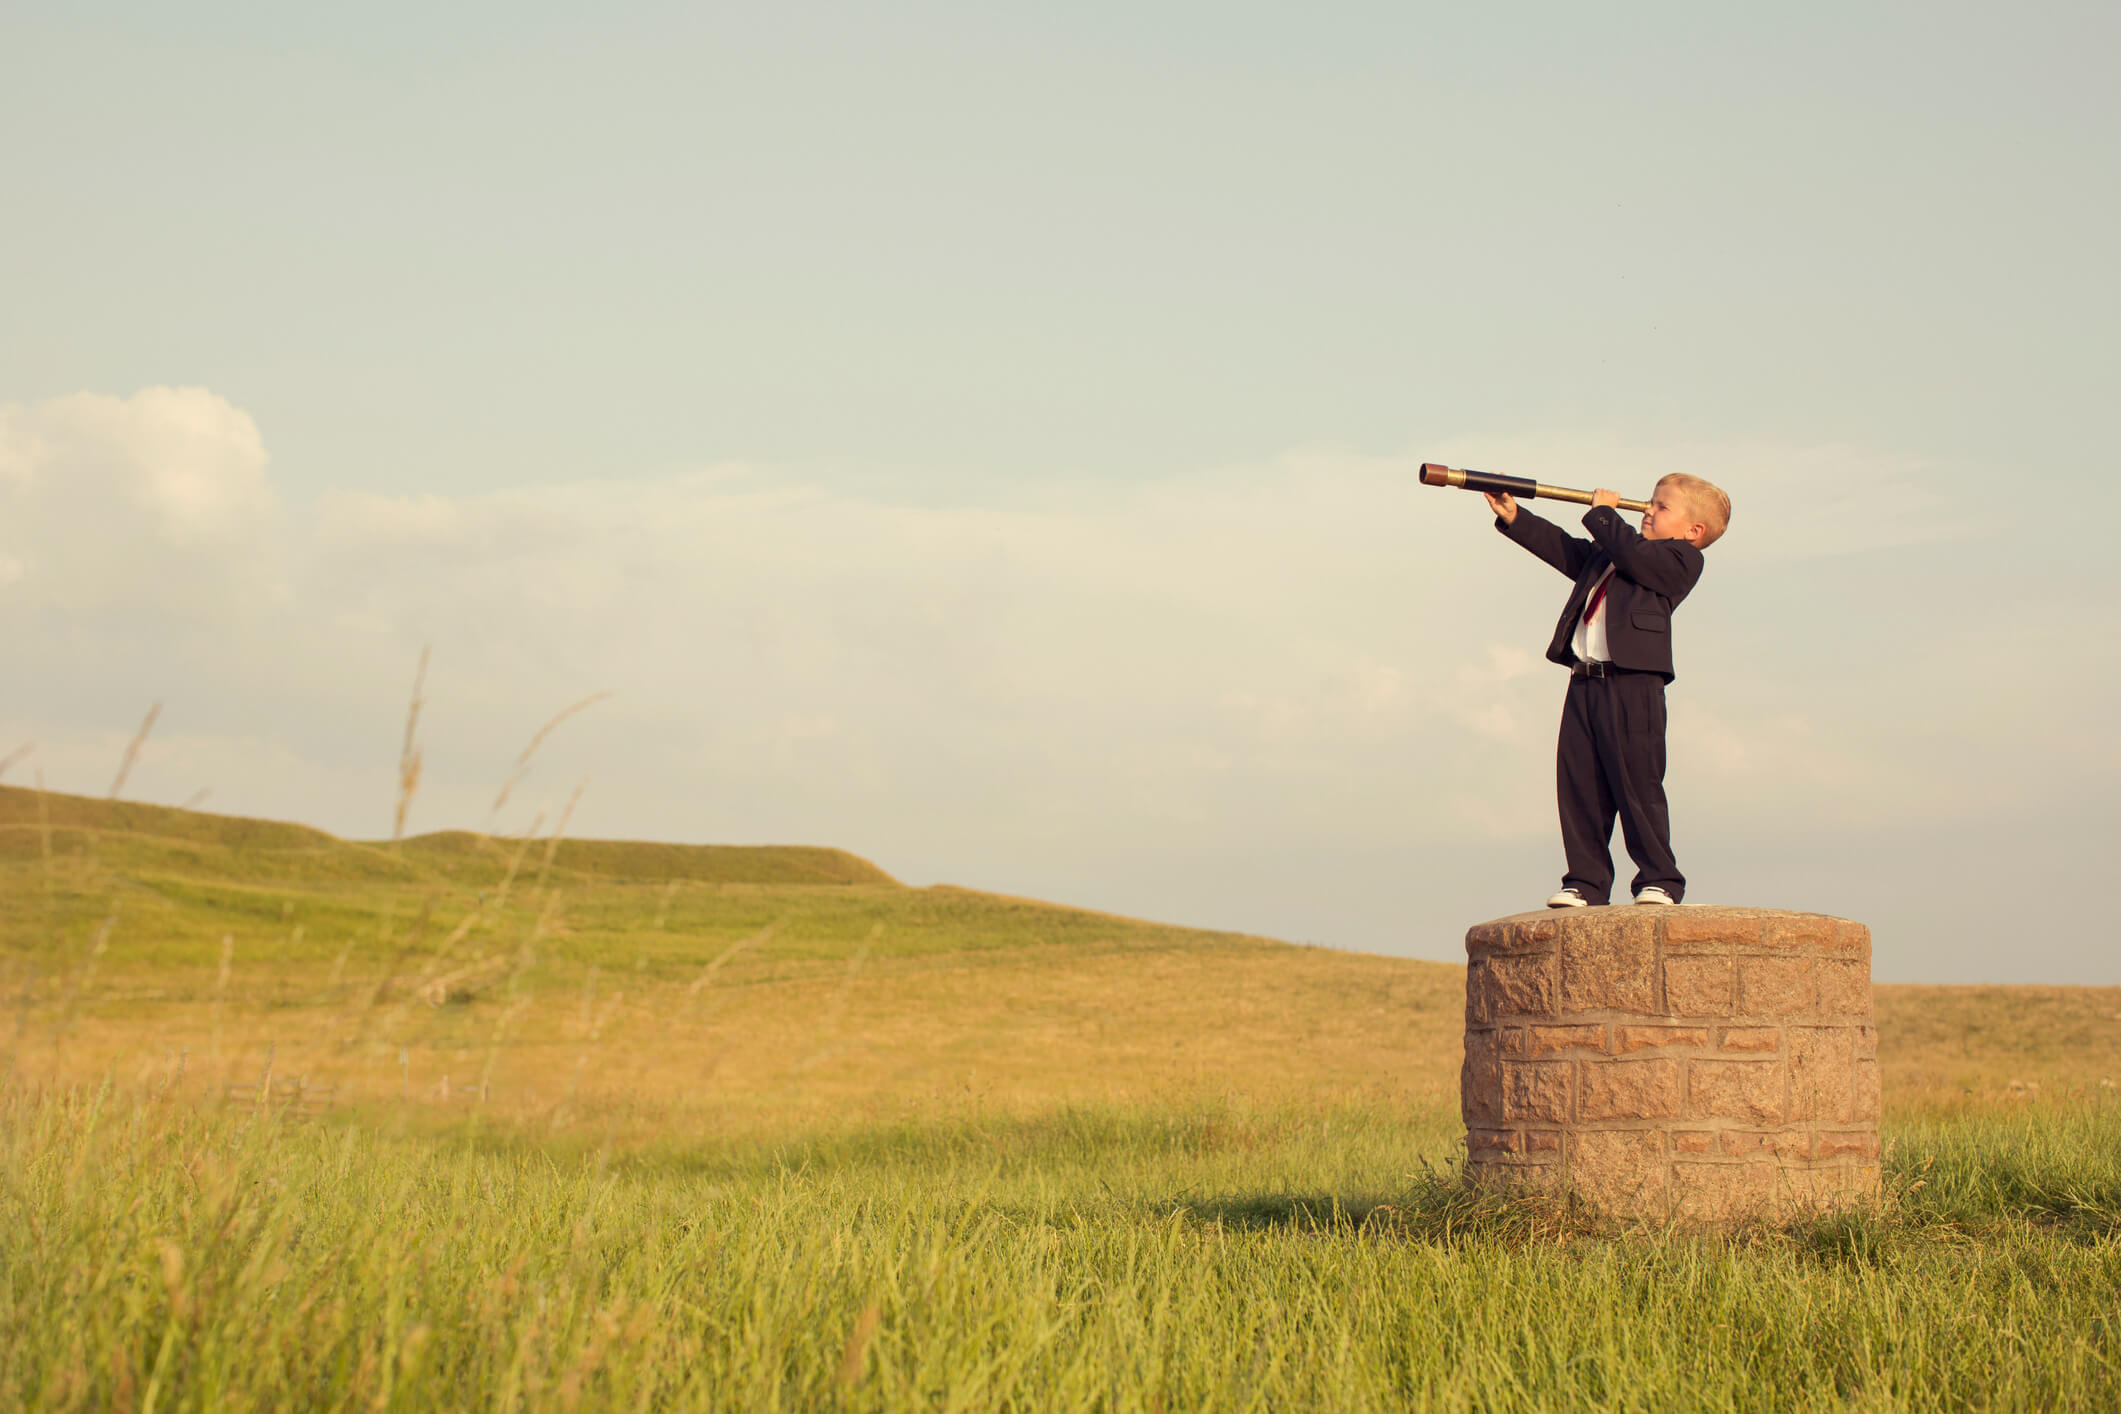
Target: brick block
[[1629, 1039], [1693, 1141], [1714, 1193], [1531, 1042], [1800, 930], [1507, 935], [1866, 1041], [1513, 1177], [1846, 1144], [1513, 1146], [1619, 1171], [1823, 1074], [1532, 934], [1777, 986], [1484, 938], [1708, 931], [1517, 986], [1636, 1089], [1697, 986], [1609, 962], [1752, 1039], [1855, 940], [1480, 995], [1748, 1091], [1480, 1079], [1764, 1144], [1844, 988], [1537, 1090], [1867, 1091]]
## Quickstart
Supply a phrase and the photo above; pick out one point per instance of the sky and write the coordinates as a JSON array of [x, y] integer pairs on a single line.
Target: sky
[[983, 437]]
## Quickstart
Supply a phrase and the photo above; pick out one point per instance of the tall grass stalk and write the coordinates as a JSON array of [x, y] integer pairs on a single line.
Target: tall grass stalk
[[409, 754], [132, 750], [537, 739]]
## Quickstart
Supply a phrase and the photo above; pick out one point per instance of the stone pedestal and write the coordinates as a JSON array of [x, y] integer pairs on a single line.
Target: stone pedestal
[[1709, 1065]]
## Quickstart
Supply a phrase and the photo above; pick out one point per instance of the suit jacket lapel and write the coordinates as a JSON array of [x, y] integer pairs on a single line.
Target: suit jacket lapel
[[1562, 649], [1593, 570]]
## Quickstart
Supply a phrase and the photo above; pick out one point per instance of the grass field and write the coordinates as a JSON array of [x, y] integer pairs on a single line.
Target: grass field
[[619, 1126]]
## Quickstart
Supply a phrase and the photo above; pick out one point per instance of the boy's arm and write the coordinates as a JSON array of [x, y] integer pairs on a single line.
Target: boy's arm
[[1667, 567], [1547, 540]]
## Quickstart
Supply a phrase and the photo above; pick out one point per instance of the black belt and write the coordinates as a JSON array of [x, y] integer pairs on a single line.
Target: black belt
[[1600, 669]]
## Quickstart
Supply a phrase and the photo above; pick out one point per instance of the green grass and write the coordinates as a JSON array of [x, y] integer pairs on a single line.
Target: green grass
[[1129, 1259]]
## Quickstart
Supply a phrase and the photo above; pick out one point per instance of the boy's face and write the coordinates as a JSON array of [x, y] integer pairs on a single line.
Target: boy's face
[[1670, 518]]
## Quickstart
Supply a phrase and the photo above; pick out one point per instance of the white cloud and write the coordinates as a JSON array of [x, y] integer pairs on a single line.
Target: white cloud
[[162, 497], [186, 459]]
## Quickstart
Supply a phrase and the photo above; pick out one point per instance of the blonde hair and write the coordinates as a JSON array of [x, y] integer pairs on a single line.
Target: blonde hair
[[1707, 502]]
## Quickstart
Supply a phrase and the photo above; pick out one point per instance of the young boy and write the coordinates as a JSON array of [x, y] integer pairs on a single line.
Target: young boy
[[1615, 637]]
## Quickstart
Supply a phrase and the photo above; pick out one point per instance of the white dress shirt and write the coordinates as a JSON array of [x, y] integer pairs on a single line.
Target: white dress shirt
[[1589, 644]]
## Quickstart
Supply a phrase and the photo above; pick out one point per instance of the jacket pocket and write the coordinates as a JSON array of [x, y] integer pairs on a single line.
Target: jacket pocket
[[1651, 623]]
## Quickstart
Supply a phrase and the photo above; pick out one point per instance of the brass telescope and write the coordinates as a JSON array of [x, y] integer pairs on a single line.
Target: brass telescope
[[1521, 487]]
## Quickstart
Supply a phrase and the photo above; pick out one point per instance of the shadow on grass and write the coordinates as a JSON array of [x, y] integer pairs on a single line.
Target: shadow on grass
[[2056, 1171], [1438, 1207], [1455, 1214], [1980, 1190]]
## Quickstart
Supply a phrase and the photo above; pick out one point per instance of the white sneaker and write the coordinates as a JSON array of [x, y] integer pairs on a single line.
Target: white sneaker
[[1572, 898], [1653, 894]]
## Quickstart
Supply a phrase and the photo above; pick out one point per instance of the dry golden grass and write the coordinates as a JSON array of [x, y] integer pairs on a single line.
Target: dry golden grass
[[772, 1042], [1943, 1044]]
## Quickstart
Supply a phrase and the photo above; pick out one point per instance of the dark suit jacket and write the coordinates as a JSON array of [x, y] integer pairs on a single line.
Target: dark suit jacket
[[1653, 576]]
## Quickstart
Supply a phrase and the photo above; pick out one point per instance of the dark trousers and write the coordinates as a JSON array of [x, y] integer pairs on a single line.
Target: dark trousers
[[1611, 761]]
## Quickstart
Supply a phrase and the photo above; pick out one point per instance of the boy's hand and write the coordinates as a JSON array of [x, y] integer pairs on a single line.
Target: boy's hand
[[1504, 505], [1603, 497]]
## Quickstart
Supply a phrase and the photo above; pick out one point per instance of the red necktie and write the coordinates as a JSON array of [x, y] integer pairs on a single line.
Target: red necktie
[[1597, 597]]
